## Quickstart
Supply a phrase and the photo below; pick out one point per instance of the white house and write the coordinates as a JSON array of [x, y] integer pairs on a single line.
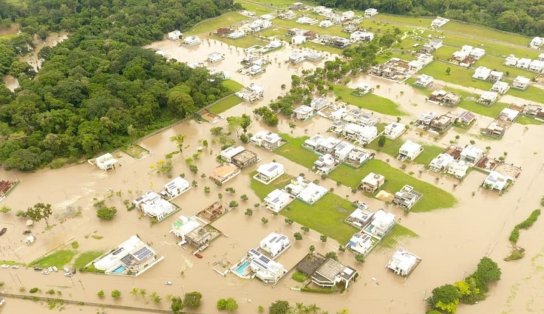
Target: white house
[[303, 112], [439, 22], [471, 154], [361, 243], [403, 262], [441, 162], [252, 92], [488, 98], [458, 169], [319, 103], [477, 53], [307, 20], [536, 66], [269, 172], [153, 205], [496, 181], [174, 35], [394, 130], [481, 73], [106, 162], [277, 200], [500, 87], [312, 193], [236, 34], [541, 57], [342, 151], [372, 182], [410, 150], [298, 39], [536, 42], [265, 269], [424, 80], [185, 225], [511, 60], [325, 164], [508, 114], [521, 82], [523, 63], [192, 41], [371, 12], [274, 244], [361, 36], [175, 188], [382, 223], [267, 140], [495, 76], [360, 216], [228, 153], [224, 173], [325, 24], [359, 133], [215, 57]]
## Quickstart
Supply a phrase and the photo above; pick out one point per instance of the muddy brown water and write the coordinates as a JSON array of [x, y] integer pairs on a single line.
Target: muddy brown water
[[450, 241]]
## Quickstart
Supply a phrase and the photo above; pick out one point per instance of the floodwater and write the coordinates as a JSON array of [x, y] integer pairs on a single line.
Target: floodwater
[[52, 40], [450, 242], [11, 82]]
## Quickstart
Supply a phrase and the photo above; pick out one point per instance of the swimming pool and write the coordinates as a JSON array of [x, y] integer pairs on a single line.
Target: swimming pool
[[242, 269], [118, 270]]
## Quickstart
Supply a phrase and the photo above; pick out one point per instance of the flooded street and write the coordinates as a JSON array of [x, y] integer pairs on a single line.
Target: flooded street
[[450, 241]]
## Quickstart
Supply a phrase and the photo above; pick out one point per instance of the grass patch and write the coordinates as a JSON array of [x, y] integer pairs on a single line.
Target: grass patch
[[428, 154], [369, 101], [395, 179], [224, 104], [531, 93], [210, 25], [135, 151], [244, 42], [294, 151], [524, 225], [11, 263], [57, 259], [326, 216], [392, 148], [391, 240], [299, 277], [232, 85], [324, 48], [85, 258]]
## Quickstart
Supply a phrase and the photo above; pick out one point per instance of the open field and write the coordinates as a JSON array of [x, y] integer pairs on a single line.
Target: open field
[[210, 25], [392, 239], [392, 147], [294, 151], [224, 104], [325, 216], [395, 179], [58, 258], [369, 101]]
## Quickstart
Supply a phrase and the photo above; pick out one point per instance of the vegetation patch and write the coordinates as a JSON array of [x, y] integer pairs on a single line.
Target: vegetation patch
[[294, 151], [518, 252], [224, 104], [85, 258], [58, 259], [391, 239], [369, 101], [299, 277]]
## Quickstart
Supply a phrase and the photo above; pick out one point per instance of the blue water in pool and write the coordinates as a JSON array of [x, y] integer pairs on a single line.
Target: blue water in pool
[[242, 269], [119, 269]]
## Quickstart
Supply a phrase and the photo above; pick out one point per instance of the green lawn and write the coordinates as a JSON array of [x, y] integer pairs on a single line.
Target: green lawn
[[85, 258], [391, 240], [321, 47], [294, 151], [244, 42], [326, 216], [224, 104], [489, 111], [369, 101], [58, 258], [210, 25], [395, 179], [428, 154], [232, 85], [458, 75], [531, 93]]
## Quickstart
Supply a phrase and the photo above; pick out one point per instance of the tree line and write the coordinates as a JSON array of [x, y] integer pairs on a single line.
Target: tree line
[[519, 16], [98, 89]]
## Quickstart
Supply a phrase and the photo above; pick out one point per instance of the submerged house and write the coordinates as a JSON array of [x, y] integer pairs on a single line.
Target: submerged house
[[175, 188], [441, 162], [267, 140], [269, 172], [403, 262], [224, 173], [274, 244], [381, 224], [497, 181], [372, 182], [106, 162], [410, 150], [407, 197], [153, 205], [360, 217], [277, 200]]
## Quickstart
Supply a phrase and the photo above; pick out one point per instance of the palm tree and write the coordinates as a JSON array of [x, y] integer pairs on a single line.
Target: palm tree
[[178, 139]]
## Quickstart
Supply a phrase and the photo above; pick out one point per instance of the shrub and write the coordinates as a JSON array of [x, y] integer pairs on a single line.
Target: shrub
[[229, 305], [192, 299], [33, 290], [116, 294]]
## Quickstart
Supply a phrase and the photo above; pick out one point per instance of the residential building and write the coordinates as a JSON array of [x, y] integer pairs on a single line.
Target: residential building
[[307, 20], [327, 145], [303, 112], [488, 98], [175, 188], [199, 238], [267, 140], [458, 169], [342, 151], [360, 217], [521, 82], [325, 164], [536, 42], [274, 244], [313, 142], [407, 197], [441, 162], [496, 128], [381, 224], [106, 162], [287, 15], [495, 76], [358, 156], [215, 57], [251, 93], [228, 153], [131, 258], [358, 36], [153, 205], [500, 87], [175, 35], [444, 98], [361, 243], [471, 154], [442, 123], [185, 225], [245, 159], [439, 22], [466, 118], [372, 182], [536, 66], [359, 133], [325, 24], [508, 114], [496, 181], [319, 103], [371, 12], [269, 172], [409, 150], [403, 262], [224, 173], [312, 193], [394, 130], [264, 268], [192, 41], [363, 89], [332, 273], [424, 80], [236, 34], [482, 73], [277, 200]]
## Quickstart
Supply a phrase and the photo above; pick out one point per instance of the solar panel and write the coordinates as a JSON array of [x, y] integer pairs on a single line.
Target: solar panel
[[143, 253]]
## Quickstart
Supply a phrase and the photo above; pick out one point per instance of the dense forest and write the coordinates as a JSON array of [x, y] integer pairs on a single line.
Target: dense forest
[[98, 89], [519, 16]]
